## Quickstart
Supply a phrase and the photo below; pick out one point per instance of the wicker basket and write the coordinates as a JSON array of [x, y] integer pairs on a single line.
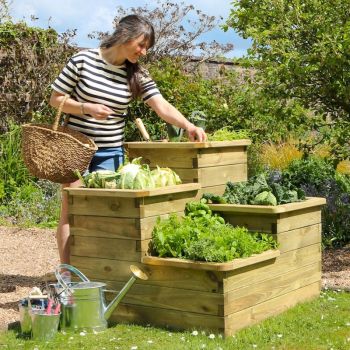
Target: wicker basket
[[54, 152]]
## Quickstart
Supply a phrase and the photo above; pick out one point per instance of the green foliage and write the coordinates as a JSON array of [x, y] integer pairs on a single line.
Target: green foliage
[[13, 172], [302, 53], [227, 134], [261, 189], [318, 178], [204, 236], [30, 60]]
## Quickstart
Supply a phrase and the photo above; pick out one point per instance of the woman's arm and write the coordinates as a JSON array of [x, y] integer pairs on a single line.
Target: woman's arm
[[171, 115], [71, 106]]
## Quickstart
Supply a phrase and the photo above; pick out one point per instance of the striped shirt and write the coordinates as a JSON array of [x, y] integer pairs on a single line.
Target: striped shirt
[[87, 77]]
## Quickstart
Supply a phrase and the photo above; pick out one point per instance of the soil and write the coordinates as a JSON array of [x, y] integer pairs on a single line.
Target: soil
[[28, 255]]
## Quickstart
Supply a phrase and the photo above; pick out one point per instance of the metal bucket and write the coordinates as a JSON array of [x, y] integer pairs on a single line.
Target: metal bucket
[[84, 308], [44, 326], [24, 317]]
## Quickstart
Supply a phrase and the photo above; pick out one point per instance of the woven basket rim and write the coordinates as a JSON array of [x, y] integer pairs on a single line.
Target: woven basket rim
[[40, 126]]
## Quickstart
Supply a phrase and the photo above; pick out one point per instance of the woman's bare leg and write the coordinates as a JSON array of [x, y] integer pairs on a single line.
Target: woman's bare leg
[[62, 233]]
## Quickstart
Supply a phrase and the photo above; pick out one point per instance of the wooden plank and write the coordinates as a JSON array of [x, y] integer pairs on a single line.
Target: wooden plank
[[289, 261], [211, 266], [186, 300], [310, 202], [106, 269], [256, 293], [169, 203], [104, 206], [110, 227], [119, 193], [298, 238], [299, 218], [210, 157], [188, 145], [253, 222], [173, 319], [213, 176], [176, 158], [103, 226], [272, 307], [105, 248]]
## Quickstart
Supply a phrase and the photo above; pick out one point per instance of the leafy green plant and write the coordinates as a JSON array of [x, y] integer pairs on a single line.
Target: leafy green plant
[[202, 235]]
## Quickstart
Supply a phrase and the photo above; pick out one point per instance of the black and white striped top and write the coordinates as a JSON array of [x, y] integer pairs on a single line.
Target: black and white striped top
[[87, 77]]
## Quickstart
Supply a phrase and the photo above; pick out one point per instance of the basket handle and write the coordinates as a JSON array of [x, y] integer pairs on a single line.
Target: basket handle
[[58, 114]]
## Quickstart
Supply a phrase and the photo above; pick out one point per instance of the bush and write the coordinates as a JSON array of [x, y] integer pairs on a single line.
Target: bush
[[318, 178]]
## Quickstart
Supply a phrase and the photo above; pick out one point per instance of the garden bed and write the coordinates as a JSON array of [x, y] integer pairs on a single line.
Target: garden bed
[[211, 164]]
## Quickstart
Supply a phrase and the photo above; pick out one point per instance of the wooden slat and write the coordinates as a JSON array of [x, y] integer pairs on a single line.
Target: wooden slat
[[310, 202], [213, 176], [253, 222], [210, 157], [118, 193], [271, 288], [188, 145], [283, 264], [186, 300], [299, 218], [105, 248], [173, 319], [106, 269], [169, 203], [274, 223], [272, 307], [103, 226], [104, 206], [177, 158], [298, 238], [211, 266]]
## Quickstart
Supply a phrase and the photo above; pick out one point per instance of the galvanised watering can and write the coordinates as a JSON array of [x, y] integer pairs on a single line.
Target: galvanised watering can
[[83, 306]]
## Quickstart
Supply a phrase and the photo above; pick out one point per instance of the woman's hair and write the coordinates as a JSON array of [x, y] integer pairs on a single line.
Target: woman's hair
[[129, 28]]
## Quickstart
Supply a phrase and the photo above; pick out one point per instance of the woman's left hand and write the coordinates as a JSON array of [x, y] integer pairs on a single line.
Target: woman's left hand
[[195, 133]]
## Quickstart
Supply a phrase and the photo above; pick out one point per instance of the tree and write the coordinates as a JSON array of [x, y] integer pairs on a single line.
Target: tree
[[176, 33], [303, 52]]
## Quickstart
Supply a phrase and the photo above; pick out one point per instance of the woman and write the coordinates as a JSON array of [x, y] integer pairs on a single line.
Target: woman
[[101, 84]]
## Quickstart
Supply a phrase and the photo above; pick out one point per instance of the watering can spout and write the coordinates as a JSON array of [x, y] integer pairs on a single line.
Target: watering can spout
[[137, 273]]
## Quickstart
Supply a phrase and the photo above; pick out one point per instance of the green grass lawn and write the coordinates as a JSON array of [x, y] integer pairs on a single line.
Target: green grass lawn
[[321, 324]]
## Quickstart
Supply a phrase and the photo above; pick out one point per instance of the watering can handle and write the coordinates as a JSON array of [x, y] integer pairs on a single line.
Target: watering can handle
[[71, 269]]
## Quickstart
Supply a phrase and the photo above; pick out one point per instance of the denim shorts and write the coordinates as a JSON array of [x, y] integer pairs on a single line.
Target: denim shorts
[[107, 158]]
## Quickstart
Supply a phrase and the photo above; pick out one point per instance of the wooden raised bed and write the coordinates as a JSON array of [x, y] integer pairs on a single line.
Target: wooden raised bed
[[117, 224], [211, 164], [111, 230]]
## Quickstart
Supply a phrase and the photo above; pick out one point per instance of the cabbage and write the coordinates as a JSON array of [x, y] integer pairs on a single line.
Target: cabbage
[[165, 177], [265, 198], [135, 176]]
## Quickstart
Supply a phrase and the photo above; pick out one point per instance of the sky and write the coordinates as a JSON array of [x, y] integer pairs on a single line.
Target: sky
[[88, 16]]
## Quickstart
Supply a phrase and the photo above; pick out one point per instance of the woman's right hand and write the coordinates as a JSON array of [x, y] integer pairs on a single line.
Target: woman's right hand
[[97, 111]]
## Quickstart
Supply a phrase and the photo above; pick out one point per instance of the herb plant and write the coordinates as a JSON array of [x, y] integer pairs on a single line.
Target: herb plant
[[202, 235]]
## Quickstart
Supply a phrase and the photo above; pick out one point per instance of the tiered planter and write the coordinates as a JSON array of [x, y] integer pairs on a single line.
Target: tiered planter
[[111, 229], [211, 164]]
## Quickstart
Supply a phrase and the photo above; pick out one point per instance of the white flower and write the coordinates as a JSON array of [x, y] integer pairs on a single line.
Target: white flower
[[211, 336], [150, 341], [82, 334], [203, 346], [255, 346], [71, 338], [279, 335], [194, 333], [170, 334], [133, 347], [347, 324]]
